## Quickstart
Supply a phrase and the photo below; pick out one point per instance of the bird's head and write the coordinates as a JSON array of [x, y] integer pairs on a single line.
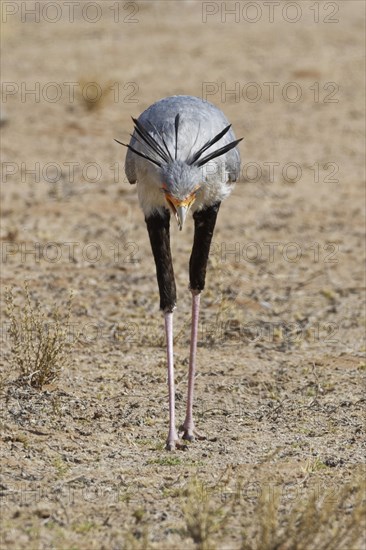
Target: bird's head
[[180, 185]]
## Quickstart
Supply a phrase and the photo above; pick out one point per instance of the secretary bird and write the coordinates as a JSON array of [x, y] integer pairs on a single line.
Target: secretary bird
[[183, 155]]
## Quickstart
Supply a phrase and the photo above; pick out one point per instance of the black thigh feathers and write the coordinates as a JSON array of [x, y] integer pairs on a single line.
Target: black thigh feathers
[[204, 225], [158, 228]]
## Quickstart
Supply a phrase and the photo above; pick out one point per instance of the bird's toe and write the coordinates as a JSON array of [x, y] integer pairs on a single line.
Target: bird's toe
[[191, 434], [170, 446], [188, 436]]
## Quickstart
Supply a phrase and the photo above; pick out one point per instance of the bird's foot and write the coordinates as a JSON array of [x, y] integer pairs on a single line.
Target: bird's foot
[[190, 433], [173, 443]]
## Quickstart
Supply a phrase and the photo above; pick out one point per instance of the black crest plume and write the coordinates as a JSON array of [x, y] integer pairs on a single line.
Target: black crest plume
[[208, 144], [219, 152], [161, 150], [195, 159], [176, 126]]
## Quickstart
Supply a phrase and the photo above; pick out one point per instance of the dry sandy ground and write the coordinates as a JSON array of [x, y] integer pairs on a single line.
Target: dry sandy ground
[[281, 363]]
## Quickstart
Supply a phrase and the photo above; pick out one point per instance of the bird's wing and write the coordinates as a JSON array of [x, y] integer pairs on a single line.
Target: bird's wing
[[130, 166]]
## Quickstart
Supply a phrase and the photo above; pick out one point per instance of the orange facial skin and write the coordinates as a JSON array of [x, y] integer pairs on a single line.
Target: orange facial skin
[[176, 203]]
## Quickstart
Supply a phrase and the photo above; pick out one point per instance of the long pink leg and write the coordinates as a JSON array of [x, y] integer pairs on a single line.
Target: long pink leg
[[188, 428], [172, 435]]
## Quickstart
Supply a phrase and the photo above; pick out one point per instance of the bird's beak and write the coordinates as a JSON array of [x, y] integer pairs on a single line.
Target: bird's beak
[[180, 208], [181, 214]]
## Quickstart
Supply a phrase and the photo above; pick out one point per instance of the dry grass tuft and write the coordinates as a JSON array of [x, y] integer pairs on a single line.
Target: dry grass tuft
[[335, 521], [40, 344], [203, 517]]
